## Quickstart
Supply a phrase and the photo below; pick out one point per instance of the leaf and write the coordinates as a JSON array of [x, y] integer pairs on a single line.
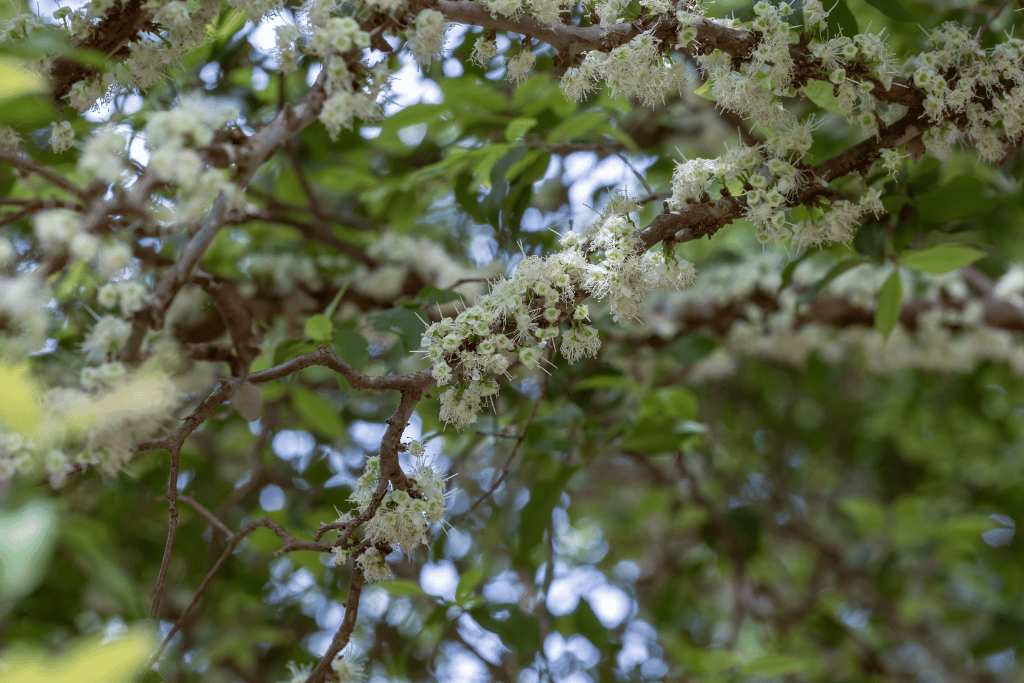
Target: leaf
[[518, 127], [822, 94], [691, 347], [518, 631], [121, 660], [892, 9], [317, 414], [705, 92], [941, 258], [27, 537], [352, 347], [961, 197], [868, 514], [290, 348], [811, 293], [841, 20], [248, 401], [19, 398], [403, 322], [16, 81], [774, 665], [535, 515], [577, 125], [402, 587], [890, 301], [319, 327]]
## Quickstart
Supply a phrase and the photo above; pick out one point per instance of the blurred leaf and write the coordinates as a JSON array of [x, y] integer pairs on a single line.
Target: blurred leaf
[[892, 9], [16, 81], [774, 665], [319, 328], [939, 259], [536, 514], [402, 588], [948, 202], [318, 415], [248, 401], [27, 537], [403, 322], [19, 398], [890, 302], [519, 632], [122, 660]]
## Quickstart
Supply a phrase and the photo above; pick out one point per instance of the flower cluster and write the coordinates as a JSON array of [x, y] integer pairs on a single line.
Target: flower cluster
[[426, 37], [523, 313], [401, 520], [636, 69]]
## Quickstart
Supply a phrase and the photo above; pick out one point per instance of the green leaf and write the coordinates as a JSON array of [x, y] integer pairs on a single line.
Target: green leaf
[[432, 296], [319, 328], [121, 660], [16, 81], [402, 588], [868, 514], [841, 20], [352, 347], [823, 95], [27, 537], [317, 414], [941, 258], [774, 665], [691, 347], [961, 197], [403, 322], [518, 127], [518, 631], [811, 293], [892, 9], [578, 125], [705, 92], [291, 348], [890, 301], [535, 515]]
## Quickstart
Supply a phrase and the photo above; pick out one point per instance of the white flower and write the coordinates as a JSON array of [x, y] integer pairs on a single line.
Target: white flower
[[520, 66], [62, 136], [102, 157], [349, 666], [107, 336], [373, 566]]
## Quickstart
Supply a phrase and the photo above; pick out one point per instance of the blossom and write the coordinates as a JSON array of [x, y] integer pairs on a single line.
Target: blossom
[[62, 136]]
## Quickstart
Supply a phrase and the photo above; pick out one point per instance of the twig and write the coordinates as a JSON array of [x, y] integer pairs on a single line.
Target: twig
[[348, 624], [520, 437], [213, 519], [992, 17], [172, 531], [27, 163], [237, 538]]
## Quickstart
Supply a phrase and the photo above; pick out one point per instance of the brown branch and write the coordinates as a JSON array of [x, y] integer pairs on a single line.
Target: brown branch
[[233, 542], [321, 672], [172, 531], [29, 165], [212, 518], [256, 149]]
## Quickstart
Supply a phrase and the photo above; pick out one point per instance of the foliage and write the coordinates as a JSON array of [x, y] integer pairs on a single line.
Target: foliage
[[401, 310]]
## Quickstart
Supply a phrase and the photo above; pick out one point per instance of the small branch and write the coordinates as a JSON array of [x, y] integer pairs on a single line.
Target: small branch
[[520, 437], [233, 542], [205, 513], [355, 586], [172, 531], [28, 164]]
